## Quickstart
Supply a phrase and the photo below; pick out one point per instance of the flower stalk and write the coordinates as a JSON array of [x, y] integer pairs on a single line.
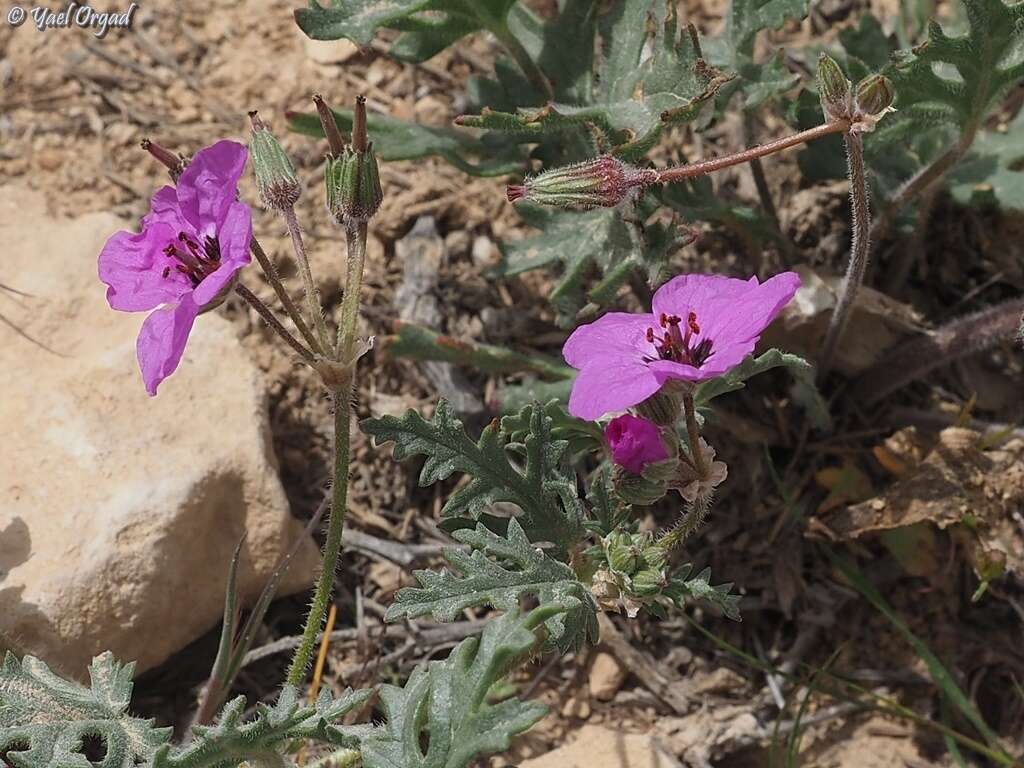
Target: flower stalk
[[341, 389], [271, 320], [860, 250]]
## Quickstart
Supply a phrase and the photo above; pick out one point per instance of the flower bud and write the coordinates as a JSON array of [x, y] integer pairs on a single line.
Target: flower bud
[[353, 185], [655, 557], [603, 182], [276, 179], [874, 95], [635, 489], [648, 582], [624, 558], [833, 89]]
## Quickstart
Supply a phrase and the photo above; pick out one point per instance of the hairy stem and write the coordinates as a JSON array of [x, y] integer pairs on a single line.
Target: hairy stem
[[332, 547], [687, 525], [274, 278], [860, 250], [312, 292], [355, 236], [668, 175], [344, 758], [913, 359], [270, 319]]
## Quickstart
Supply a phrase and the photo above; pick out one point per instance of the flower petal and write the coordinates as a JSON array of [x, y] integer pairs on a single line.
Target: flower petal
[[162, 341], [601, 389], [209, 185], [698, 293], [132, 266], [614, 336], [746, 318], [234, 236]]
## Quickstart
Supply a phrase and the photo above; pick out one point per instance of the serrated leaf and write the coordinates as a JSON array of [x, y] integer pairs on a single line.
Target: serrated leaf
[[581, 244], [395, 139], [441, 717], [539, 487], [700, 587], [581, 436], [498, 573], [233, 739], [44, 719], [734, 50], [751, 366]]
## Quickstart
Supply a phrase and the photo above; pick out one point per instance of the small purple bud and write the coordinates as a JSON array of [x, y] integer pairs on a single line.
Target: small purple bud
[[603, 182], [634, 442], [874, 95]]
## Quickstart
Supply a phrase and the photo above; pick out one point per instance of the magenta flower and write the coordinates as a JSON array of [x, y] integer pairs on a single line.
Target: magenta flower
[[635, 442], [193, 241], [701, 327]]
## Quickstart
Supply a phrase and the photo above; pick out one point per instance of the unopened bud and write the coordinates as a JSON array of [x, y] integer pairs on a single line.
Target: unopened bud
[[276, 179], [833, 89], [874, 95], [603, 182], [648, 582], [352, 177], [635, 489]]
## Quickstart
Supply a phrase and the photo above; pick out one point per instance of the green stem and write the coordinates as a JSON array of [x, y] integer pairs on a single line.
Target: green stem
[[332, 547], [274, 278], [693, 436], [355, 237], [271, 320], [312, 293]]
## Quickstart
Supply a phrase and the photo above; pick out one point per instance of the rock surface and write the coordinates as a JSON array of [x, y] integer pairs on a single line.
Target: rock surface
[[605, 676], [595, 746], [119, 512]]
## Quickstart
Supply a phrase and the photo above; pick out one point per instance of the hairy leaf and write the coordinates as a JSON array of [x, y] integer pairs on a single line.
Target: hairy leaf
[[751, 366], [582, 436], [734, 50], [547, 497], [682, 587], [994, 169], [428, 26], [499, 571], [45, 719], [233, 739], [441, 717]]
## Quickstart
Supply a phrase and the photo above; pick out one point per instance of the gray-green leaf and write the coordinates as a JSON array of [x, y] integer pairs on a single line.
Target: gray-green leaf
[[44, 719], [498, 573]]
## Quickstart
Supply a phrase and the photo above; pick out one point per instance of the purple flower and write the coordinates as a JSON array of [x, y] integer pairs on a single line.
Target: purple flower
[[635, 442], [702, 326], [193, 241]]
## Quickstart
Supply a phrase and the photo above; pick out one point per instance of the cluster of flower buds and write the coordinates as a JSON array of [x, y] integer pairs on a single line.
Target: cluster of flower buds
[[863, 106], [634, 573], [351, 174], [603, 182], [276, 180]]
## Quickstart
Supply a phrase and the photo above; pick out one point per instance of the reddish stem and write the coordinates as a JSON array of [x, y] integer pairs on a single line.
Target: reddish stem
[[669, 175]]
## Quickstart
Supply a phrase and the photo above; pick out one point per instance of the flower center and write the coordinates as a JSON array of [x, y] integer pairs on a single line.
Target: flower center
[[679, 345], [190, 259]]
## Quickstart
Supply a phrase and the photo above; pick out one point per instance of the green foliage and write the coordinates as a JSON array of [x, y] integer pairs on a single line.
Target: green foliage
[[682, 587], [734, 50], [945, 87], [444, 703], [233, 739], [751, 366], [994, 170], [582, 436], [422, 35], [420, 343], [44, 720], [546, 494], [500, 571], [395, 139]]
